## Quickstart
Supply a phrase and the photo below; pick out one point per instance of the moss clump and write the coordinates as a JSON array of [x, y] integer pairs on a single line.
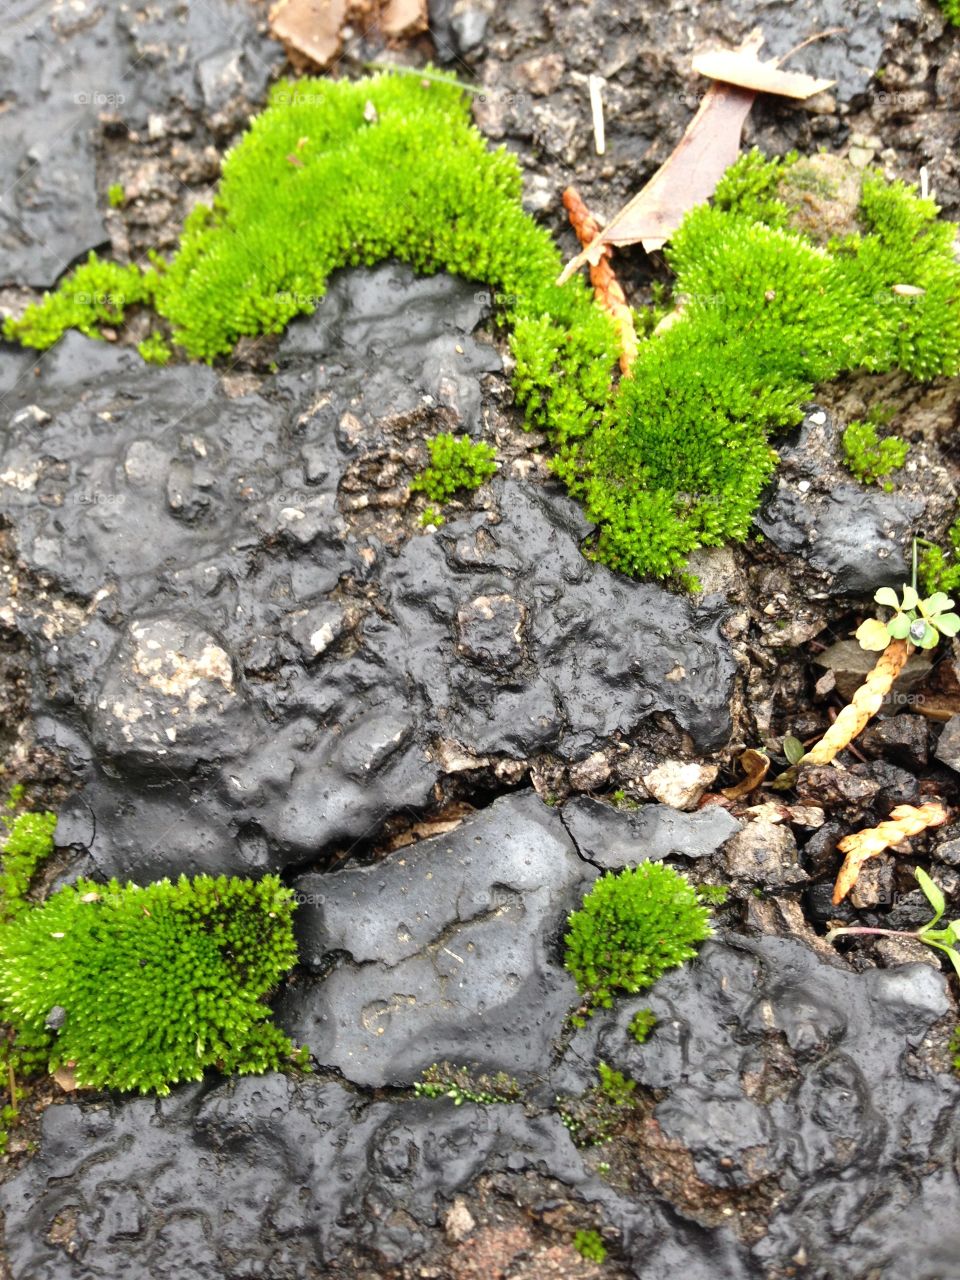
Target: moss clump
[[939, 570], [951, 11], [683, 451], [454, 464], [28, 841], [675, 456], [642, 1024], [150, 985], [155, 349], [116, 195], [632, 928], [444, 1080], [589, 1244], [870, 458]]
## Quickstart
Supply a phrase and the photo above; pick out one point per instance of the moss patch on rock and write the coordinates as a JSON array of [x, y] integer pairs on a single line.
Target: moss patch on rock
[[796, 272]]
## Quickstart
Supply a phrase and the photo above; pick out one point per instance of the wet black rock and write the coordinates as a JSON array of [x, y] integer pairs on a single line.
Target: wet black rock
[[67, 69], [948, 744], [853, 535], [901, 739], [837, 790], [614, 838], [449, 950], [897, 786], [197, 579]]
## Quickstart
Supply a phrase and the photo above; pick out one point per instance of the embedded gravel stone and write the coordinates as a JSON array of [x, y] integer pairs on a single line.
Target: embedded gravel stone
[[448, 950], [616, 838]]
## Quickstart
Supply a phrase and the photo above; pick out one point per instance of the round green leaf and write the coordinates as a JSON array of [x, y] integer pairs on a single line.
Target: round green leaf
[[910, 598], [948, 624], [887, 596], [899, 627]]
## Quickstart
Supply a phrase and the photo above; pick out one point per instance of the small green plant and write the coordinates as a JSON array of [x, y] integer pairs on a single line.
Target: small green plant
[[596, 1115], [623, 801], [642, 1024], [454, 464], [712, 895], [28, 841], [939, 569], [921, 621], [116, 195], [140, 987], [444, 1080], [951, 11], [631, 928], [155, 349], [430, 516], [870, 458], [589, 1244], [946, 939]]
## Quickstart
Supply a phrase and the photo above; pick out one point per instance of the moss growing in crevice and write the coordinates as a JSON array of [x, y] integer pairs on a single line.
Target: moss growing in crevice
[[672, 458], [138, 987]]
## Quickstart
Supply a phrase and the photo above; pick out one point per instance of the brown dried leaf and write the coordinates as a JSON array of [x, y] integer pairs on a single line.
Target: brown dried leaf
[[742, 67], [66, 1079], [755, 765], [687, 178]]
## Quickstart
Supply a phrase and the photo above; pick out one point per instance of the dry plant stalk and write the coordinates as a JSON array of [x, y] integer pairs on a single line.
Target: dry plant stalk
[[864, 704], [606, 287], [904, 821]]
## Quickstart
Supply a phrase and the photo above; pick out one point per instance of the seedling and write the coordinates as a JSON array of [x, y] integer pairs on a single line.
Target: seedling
[[946, 939], [916, 623]]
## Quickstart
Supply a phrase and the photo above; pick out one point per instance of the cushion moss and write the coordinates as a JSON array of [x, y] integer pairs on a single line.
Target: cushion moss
[[149, 985], [674, 457]]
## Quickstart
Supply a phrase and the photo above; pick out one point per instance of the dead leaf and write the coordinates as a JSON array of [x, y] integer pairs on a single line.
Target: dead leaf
[[742, 67], [690, 175], [709, 146], [66, 1079], [904, 821], [755, 765], [606, 287]]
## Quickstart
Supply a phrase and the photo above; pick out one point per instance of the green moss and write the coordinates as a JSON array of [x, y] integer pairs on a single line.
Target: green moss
[[589, 1244], [444, 1080], [951, 11], [155, 349], [870, 458], [28, 841], [939, 570], [670, 459], [155, 983], [712, 895], [116, 195], [632, 928], [642, 1024], [454, 464]]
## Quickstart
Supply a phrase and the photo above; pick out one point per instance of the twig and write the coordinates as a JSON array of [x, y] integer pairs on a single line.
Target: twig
[[595, 84], [606, 287]]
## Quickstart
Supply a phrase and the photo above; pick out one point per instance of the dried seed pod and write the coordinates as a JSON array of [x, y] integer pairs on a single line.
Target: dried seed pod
[[904, 821], [865, 703]]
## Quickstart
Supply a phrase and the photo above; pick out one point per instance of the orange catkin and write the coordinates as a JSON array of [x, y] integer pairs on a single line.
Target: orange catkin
[[606, 287], [904, 821], [864, 704]]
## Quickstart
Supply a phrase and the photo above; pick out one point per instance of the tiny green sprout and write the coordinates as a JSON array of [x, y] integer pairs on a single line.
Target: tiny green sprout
[[431, 518], [946, 939], [793, 749], [921, 621], [589, 1244], [712, 895], [116, 195], [615, 1085], [641, 1024]]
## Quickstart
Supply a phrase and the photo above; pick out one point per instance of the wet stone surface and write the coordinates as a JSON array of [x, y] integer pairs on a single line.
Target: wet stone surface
[[782, 1077], [212, 614], [246, 656]]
